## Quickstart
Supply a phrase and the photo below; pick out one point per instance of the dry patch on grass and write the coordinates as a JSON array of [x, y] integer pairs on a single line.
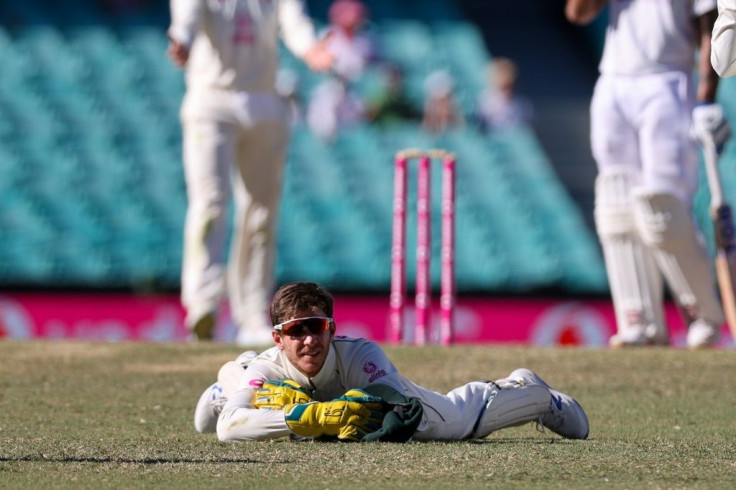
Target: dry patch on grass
[[183, 367], [54, 351]]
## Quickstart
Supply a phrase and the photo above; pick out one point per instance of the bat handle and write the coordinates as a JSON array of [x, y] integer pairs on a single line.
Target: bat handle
[[711, 171]]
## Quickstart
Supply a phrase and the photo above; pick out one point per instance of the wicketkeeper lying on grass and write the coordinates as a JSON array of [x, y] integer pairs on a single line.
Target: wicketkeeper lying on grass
[[314, 384]]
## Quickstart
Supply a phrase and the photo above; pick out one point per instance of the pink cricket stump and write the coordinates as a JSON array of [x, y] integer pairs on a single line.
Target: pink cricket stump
[[423, 281], [423, 298], [398, 246], [447, 254]]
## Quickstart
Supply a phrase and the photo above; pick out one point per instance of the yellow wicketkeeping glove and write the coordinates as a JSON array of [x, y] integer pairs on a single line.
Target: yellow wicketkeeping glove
[[349, 417], [276, 394]]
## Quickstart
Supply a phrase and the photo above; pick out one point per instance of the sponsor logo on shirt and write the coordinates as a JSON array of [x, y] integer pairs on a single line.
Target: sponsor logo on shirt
[[371, 368], [381, 373]]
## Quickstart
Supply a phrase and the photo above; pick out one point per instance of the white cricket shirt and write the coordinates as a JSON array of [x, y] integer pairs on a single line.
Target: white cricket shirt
[[234, 43], [651, 36]]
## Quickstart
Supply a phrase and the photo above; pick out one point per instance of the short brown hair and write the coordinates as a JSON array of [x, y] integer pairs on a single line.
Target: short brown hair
[[299, 296]]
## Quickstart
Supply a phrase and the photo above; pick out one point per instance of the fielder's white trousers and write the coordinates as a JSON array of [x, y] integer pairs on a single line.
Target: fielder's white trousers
[[451, 416], [233, 150]]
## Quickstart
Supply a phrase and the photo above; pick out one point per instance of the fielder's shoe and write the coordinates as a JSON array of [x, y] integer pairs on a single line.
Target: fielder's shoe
[[702, 334], [254, 337], [565, 416], [208, 409], [204, 328]]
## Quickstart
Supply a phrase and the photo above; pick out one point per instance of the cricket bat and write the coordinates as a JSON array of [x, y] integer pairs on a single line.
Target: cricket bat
[[725, 241]]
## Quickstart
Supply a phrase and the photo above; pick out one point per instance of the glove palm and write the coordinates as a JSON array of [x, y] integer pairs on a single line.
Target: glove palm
[[349, 417], [276, 394]]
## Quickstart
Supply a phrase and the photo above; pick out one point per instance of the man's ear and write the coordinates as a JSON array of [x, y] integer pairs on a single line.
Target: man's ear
[[277, 339]]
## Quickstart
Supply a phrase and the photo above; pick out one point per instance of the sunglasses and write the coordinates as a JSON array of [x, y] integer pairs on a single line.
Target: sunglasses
[[298, 327]]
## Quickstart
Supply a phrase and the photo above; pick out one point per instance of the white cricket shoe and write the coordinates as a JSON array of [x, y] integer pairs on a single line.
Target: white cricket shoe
[[565, 416], [640, 336], [702, 334], [208, 409]]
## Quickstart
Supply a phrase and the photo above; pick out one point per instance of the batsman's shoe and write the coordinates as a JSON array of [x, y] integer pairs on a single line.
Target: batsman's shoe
[[208, 409], [639, 337], [702, 334], [564, 416]]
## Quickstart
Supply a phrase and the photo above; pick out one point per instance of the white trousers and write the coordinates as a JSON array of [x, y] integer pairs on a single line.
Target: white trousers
[[238, 158], [640, 127], [644, 122], [452, 416]]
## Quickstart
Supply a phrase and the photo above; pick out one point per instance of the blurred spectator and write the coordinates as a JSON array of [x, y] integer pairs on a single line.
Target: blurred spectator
[[333, 103], [499, 106], [440, 107], [352, 47], [392, 104], [332, 106]]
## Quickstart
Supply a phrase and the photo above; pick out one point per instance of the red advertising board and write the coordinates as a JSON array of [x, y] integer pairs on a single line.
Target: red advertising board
[[114, 317]]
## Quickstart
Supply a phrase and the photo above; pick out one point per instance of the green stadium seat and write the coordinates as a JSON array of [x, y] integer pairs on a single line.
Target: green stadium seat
[[94, 106]]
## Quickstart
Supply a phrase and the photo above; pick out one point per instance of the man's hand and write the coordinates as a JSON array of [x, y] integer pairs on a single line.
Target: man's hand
[[178, 53], [710, 124], [276, 394], [349, 417], [319, 57]]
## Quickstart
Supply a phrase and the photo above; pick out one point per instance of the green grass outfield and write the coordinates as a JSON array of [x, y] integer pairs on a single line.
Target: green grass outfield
[[91, 415]]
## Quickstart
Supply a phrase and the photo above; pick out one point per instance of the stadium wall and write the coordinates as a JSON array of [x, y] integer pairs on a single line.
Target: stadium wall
[[121, 317]]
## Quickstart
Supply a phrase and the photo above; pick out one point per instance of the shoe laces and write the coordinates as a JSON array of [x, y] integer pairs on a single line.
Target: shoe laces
[[540, 426]]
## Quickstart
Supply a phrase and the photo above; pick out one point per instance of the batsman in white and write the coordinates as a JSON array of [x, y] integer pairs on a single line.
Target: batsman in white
[[647, 114], [723, 40], [235, 134], [314, 384]]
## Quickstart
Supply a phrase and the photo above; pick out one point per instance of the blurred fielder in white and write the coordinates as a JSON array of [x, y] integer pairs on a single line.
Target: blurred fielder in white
[[646, 115], [235, 135], [723, 52], [316, 384]]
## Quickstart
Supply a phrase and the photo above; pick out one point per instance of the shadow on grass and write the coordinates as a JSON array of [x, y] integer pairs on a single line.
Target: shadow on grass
[[148, 461]]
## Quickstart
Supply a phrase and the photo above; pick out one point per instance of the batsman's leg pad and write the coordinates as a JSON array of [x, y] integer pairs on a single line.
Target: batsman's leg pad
[[634, 279], [666, 226], [510, 407]]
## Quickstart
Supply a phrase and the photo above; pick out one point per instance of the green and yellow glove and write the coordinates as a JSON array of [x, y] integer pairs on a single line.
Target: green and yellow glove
[[349, 417], [276, 394]]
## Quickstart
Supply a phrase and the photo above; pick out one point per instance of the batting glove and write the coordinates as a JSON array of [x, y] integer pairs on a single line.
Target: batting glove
[[276, 394], [349, 418], [709, 124]]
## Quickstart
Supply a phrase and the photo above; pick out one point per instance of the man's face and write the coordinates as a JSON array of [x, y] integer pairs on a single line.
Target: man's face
[[307, 351]]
